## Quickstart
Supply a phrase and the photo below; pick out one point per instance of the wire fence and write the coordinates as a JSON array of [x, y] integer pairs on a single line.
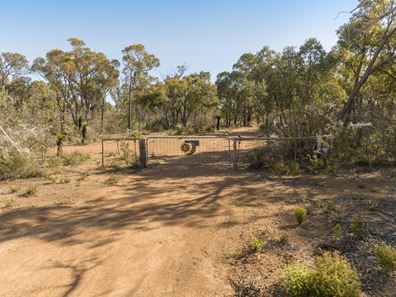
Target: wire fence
[[189, 150], [237, 152], [262, 152]]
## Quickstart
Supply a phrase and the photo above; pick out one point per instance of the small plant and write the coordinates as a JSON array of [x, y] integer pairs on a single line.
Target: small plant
[[326, 207], [296, 281], [357, 226], [113, 180], [257, 244], [14, 189], [337, 231], [300, 214], [293, 168], [279, 168], [30, 191], [283, 239], [386, 257], [335, 277]]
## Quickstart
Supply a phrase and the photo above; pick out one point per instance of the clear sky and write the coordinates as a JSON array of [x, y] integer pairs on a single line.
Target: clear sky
[[207, 35]]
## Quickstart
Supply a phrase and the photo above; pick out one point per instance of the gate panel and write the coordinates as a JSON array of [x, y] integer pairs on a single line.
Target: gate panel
[[189, 150]]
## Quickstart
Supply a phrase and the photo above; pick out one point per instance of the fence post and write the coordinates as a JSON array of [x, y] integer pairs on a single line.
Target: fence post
[[142, 153], [235, 154], [102, 152]]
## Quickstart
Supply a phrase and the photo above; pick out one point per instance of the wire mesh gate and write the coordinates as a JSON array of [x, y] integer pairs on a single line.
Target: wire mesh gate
[[189, 150]]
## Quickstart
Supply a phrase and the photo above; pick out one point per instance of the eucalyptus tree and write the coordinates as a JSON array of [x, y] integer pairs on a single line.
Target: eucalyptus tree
[[368, 45], [13, 66], [81, 79], [137, 64]]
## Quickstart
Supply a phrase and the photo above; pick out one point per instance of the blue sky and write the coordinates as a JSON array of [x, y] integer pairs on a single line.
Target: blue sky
[[207, 35]]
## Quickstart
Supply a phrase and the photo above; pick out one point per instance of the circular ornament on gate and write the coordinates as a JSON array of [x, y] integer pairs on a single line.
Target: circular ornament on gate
[[185, 148]]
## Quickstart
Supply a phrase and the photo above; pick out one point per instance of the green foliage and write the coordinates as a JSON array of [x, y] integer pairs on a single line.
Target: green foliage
[[386, 256], [333, 276], [279, 168], [14, 164], [318, 165], [300, 214], [297, 281], [337, 231], [257, 244], [358, 226]]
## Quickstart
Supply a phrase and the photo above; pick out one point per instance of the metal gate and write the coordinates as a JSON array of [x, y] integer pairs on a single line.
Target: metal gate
[[189, 150]]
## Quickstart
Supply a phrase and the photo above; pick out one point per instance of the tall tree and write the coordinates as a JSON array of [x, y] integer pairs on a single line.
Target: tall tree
[[137, 63]]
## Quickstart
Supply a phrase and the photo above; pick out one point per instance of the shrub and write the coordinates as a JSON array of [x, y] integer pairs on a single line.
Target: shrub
[[75, 158], [296, 281], [316, 165], [386, 257], [257, 244], [113, 180], [293, 168], [335, 277], [337, 231], [30, 191], [14, 164], [300, 213], [279, 168], [357, 226]]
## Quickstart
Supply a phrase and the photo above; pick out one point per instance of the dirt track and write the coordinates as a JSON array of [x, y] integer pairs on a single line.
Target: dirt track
[[159, 232], [168, 230]]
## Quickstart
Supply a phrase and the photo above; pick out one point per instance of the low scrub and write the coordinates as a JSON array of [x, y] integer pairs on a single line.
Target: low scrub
[[257, 244], [386, 257], [332, 276], [15, 164], [358, 226], [300, 214], [75, 158], [113, 180], [30, 191]]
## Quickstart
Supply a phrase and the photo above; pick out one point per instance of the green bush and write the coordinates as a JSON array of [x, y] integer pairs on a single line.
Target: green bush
[[296, 281], [337, 231], [301, 214], [18, 165], [335, 277], [358, 226], [386, 257], [75, 158], [257, 244], [293, 168]]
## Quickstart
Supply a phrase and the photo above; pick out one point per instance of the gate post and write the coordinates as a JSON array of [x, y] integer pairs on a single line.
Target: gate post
[[234, 154], [142, 153]]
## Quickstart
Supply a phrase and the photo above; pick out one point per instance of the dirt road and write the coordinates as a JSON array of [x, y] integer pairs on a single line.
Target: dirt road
[[163, 231]]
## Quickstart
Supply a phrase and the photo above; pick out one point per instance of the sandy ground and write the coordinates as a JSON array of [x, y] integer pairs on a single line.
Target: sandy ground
[[158, 232], [164, 231]]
